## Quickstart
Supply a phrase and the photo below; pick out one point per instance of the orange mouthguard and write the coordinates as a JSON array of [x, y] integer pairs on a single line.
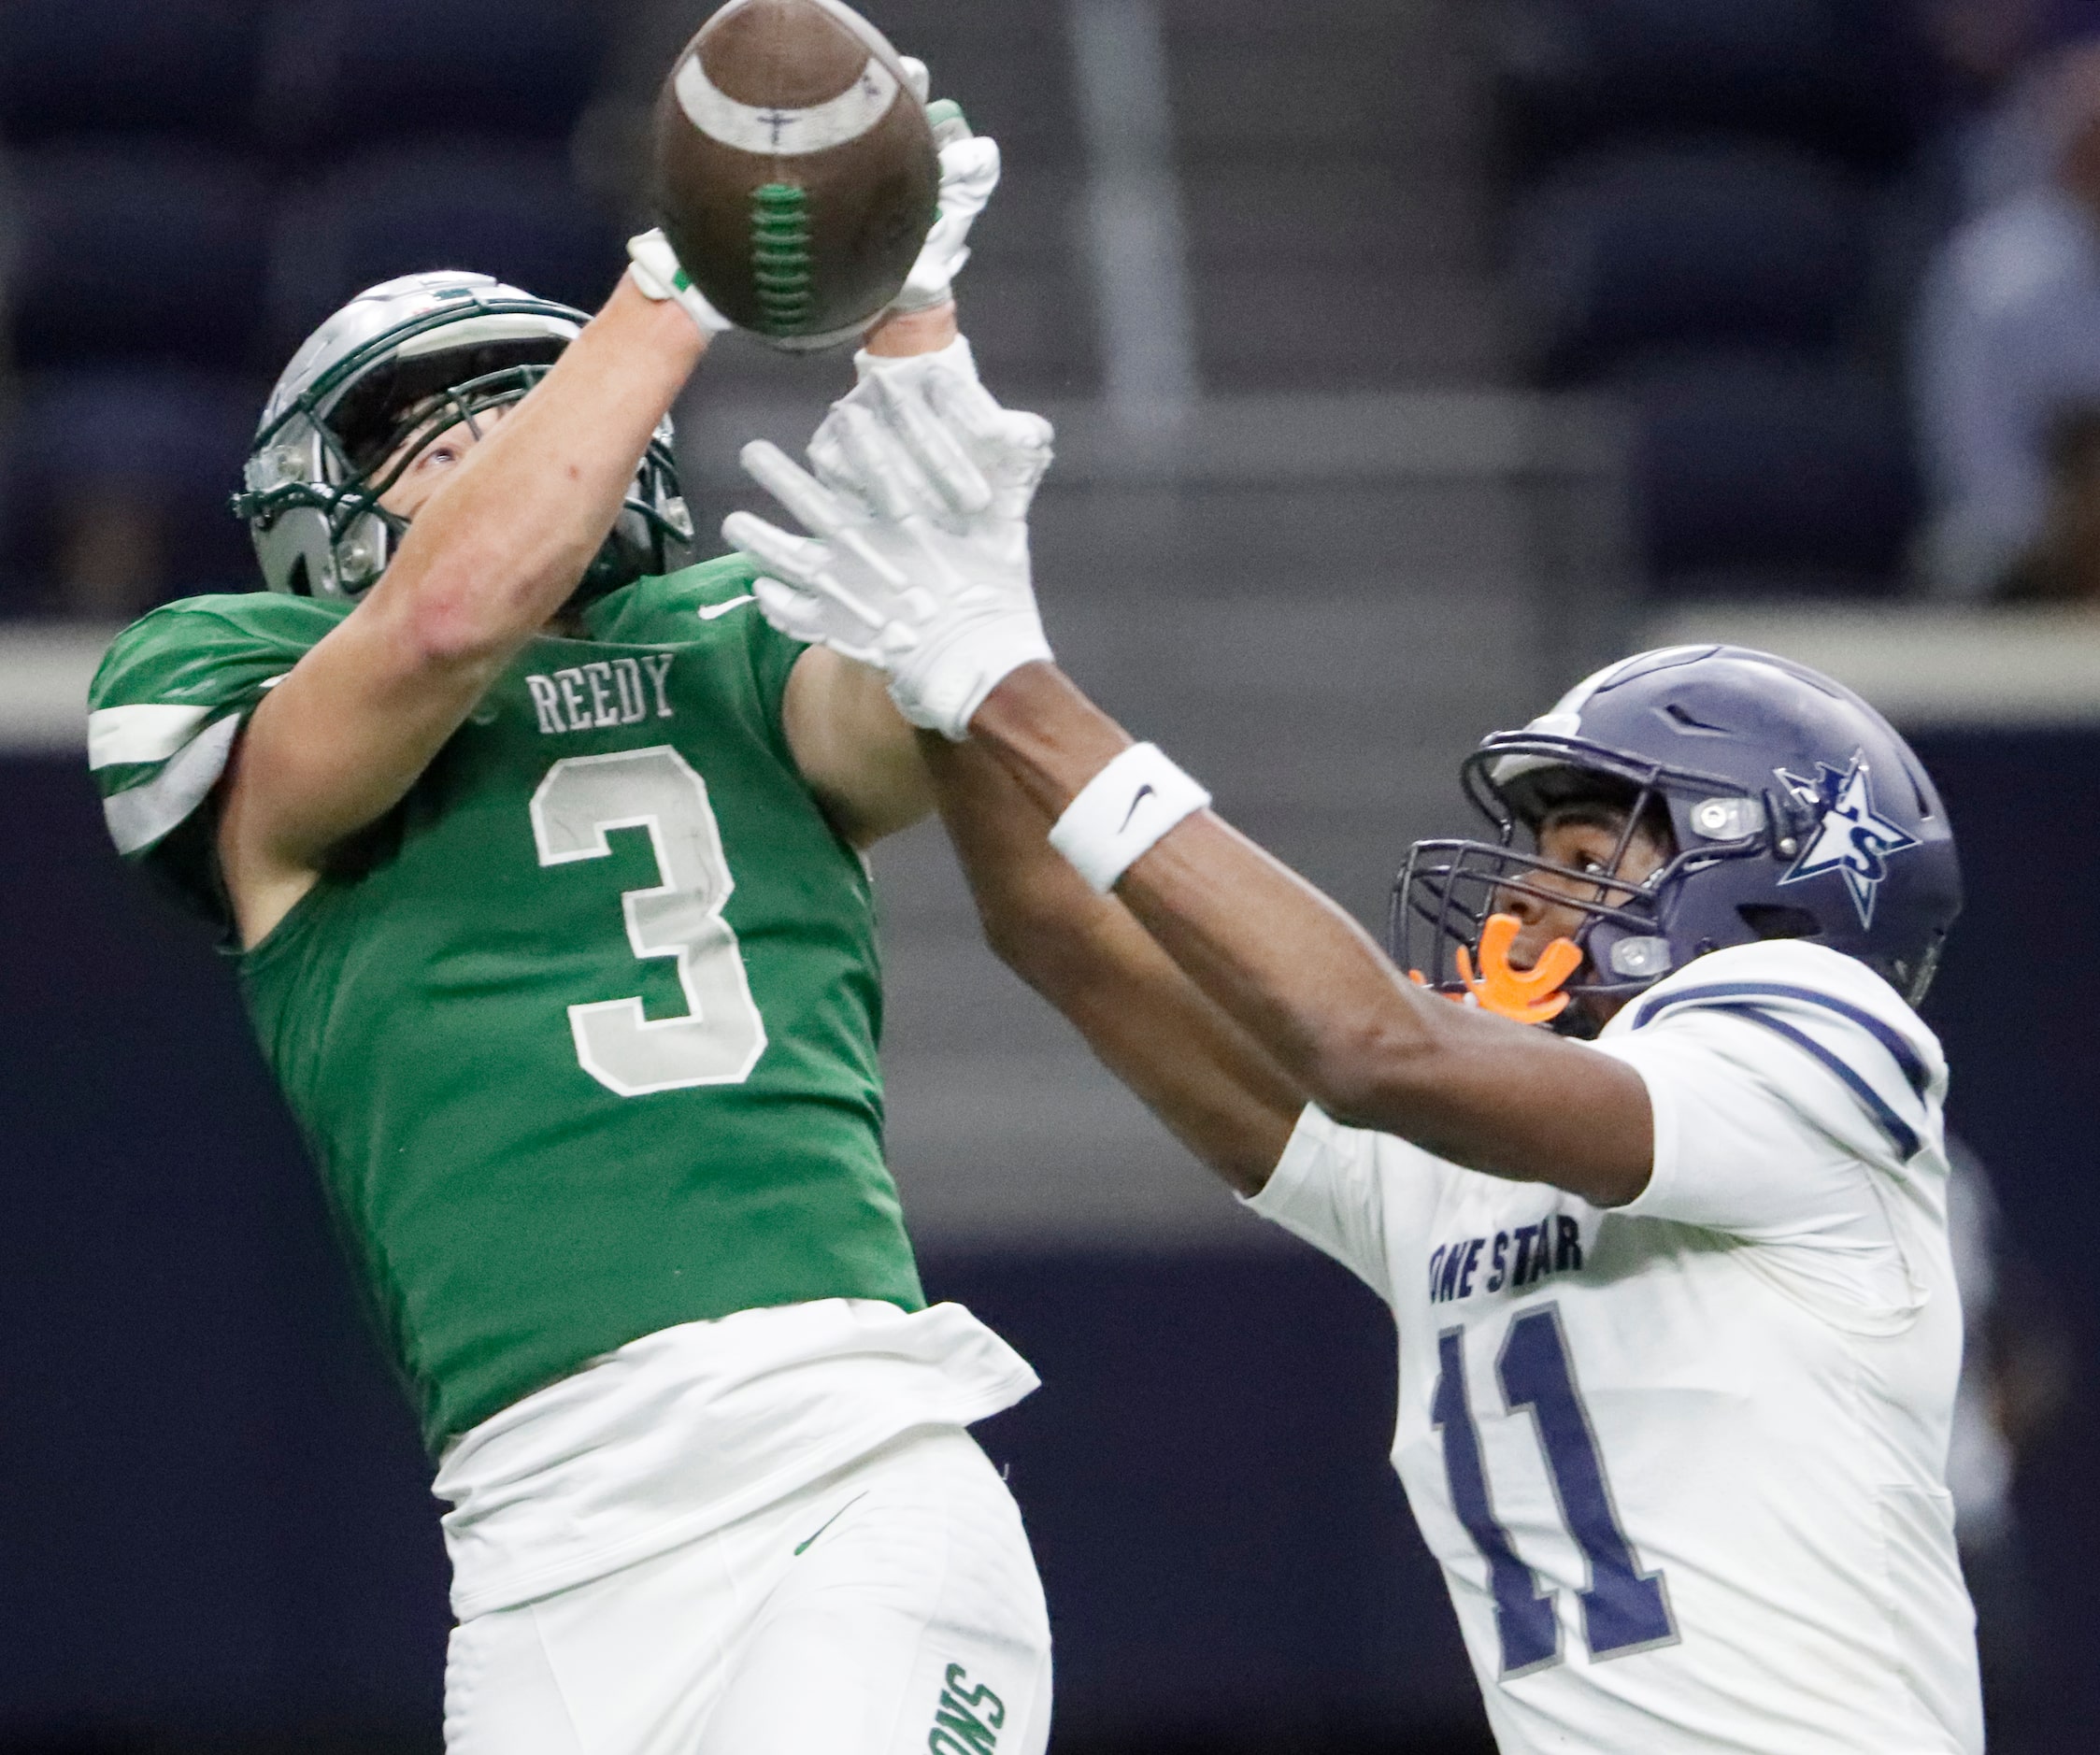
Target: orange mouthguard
[[1531, 996]]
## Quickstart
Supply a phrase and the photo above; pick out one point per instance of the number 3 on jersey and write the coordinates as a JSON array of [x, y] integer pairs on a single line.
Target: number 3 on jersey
[[719, 1039], [1623, 1609]]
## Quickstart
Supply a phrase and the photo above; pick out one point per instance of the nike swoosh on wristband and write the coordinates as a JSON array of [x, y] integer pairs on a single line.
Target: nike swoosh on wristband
[[1144, 792], [708, 612], [829, 1522]]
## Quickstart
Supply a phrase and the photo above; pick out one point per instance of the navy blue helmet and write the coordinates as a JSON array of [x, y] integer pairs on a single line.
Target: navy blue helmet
[[1795, 810]]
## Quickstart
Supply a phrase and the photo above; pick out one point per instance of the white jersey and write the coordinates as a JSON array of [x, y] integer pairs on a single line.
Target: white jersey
[[1683, 1461], [684, 1432]]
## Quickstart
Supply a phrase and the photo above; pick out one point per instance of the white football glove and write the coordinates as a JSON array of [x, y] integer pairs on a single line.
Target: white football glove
[[918, 561], [969, 172], [932, 393], [653, 266]]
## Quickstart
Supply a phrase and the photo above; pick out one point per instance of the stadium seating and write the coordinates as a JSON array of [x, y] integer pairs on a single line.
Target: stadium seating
[[508, 210], [1701, 225], [1330, 167], [145, 456], [191, 185], [1770, 472], [344, 74], [125, 256], [1840, 75], [128, 66], [1624, 251]]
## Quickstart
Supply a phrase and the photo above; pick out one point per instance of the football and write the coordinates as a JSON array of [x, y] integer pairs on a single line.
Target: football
[[795, 168]]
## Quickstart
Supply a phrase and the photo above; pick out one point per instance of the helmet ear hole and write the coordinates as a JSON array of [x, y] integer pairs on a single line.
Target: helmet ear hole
[[1773, 920], [299, 581]]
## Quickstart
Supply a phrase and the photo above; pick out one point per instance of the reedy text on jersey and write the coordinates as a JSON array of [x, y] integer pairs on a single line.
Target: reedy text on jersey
[[607, 691]]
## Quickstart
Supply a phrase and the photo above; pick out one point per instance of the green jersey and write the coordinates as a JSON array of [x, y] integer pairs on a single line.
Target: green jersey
[[582, 1035]]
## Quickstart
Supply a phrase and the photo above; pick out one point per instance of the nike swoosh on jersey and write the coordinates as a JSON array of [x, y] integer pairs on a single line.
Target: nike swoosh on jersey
[[829, 1522], [708, 612]]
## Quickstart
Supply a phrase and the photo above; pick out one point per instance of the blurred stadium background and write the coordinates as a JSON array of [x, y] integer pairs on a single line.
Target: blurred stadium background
[[1436, 349]]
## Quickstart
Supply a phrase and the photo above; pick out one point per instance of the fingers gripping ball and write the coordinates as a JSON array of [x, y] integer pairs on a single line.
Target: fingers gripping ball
[[656, 271], [969, 172], [797, 174]]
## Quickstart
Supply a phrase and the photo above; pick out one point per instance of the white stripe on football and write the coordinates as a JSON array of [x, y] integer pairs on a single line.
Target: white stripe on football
[[786, 132]]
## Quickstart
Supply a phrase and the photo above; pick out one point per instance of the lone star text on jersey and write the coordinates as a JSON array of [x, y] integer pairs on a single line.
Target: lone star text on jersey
[[1516, 1259]]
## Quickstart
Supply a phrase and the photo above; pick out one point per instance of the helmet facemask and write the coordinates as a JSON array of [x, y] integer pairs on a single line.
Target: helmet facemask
[[1449, 890]]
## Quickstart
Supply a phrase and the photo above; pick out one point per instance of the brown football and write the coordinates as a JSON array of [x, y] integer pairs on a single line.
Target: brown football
[[795, 169]]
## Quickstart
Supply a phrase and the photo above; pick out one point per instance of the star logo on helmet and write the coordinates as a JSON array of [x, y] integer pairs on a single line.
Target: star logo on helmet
[[1850, 835]]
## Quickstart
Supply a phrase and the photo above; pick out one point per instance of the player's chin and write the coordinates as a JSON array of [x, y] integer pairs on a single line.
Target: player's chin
[[1589, 1007]]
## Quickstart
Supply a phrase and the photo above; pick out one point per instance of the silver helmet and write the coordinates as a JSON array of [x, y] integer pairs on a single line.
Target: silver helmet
[[391, 371]]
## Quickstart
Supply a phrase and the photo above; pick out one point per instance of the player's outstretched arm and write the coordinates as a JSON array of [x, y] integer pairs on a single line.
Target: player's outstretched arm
[[858, 753], [1303, 979], [854, 749], [918, 563], [486, 560], [1224, 1099]]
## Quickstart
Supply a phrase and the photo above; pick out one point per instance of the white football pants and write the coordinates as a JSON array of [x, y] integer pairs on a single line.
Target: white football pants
[[891, 1608]]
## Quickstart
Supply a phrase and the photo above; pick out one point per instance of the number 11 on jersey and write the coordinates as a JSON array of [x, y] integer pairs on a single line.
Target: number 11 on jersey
[[1624, 1609]]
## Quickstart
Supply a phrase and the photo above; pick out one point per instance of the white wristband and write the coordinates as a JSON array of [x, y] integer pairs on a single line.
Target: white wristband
[[1120, 814]]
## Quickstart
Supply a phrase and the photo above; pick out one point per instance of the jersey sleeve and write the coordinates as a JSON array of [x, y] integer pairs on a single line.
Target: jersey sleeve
[[163, 711], [1783, 1080], [774, 656], [1326, 1189]]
